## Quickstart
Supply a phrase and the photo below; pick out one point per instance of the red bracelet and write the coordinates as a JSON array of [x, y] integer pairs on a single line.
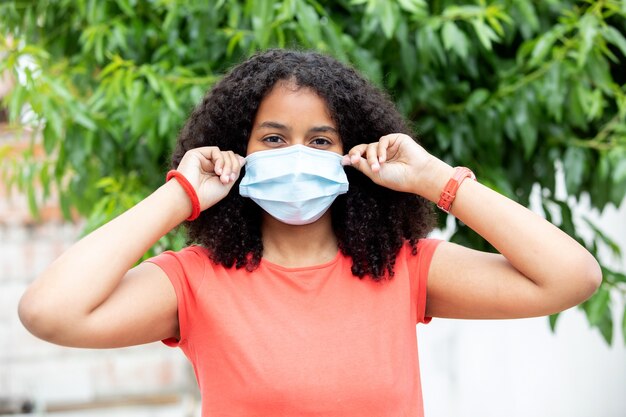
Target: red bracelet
[[449, 191], [195, 203]]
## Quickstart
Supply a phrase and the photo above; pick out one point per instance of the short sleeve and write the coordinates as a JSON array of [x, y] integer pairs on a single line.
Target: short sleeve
[[419, 268], [185, 270]]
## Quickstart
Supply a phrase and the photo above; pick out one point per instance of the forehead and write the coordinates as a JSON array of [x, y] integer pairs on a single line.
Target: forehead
[[290, 101]]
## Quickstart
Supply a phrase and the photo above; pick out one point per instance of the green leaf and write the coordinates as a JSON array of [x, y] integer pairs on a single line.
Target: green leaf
[[151, 77], [598, 305], [260, 12], [577, 106], [126, 7], [601, 236], [595, 105], [554, 92], [428, 45], [461, 12], [619, 172], [310, 22], [84, 120], [567, 221], [388, 17], [493, 14], [588, 31], [478, 97], [116, 63], [235, 40], [574, 163], [65, 203], [454, 39], [17, 99], [524, 126], [600, 72], [33, 207], [543, 46], [552, 320], [615, 37], [168, 96], [53, 130], [624, 325], [416, 7], [606, 327], [485, 34]]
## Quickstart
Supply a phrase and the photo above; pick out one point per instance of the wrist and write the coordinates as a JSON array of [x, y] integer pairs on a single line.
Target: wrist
[[189, 190], [448, 195], [433, 178], [176, 201]]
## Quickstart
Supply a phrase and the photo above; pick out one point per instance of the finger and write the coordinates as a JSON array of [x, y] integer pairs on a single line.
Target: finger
[[218, 160], [226, 168], [372, 156], [206, 165], [238, 161], [355, 160], [395, 141], [208, 152], [208, 157], [356, 152], [234, 166], [383, 144]]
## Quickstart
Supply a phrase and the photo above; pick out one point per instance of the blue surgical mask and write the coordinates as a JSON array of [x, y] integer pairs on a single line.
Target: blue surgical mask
[[295, 184]]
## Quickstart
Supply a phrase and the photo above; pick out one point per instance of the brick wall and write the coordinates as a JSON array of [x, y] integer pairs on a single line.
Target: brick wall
[[150, 380]]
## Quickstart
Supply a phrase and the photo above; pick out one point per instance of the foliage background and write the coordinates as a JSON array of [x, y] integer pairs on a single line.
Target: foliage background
[[524, 92]]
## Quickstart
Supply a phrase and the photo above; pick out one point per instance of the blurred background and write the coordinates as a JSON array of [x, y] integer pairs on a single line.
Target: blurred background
[[530, 94]]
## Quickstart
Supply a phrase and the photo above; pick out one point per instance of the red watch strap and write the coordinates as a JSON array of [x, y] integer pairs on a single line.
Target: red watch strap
[[449, 191]]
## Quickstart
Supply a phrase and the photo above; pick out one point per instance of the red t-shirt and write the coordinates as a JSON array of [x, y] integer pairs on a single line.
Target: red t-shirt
[[312, 341]]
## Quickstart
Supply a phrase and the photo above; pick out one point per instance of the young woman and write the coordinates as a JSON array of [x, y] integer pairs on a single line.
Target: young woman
[[310, 271]]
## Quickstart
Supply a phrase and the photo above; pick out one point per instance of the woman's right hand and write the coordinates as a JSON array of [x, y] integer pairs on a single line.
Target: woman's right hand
[[212, 172]]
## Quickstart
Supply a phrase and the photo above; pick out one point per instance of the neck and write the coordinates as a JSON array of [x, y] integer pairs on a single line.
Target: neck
[[298, 246]]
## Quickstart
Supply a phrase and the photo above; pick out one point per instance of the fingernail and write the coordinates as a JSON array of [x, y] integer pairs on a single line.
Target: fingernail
[[233, 176]]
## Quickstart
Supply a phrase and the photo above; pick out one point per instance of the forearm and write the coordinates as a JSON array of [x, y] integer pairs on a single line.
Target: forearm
[[540, 251], [88, 272]]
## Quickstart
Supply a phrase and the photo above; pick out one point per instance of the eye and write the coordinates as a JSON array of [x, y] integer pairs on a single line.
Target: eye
[[320, 142], [273, 140]]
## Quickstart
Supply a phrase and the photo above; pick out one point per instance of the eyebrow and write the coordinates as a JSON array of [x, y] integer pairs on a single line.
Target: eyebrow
[[314, 129], [323, 129]]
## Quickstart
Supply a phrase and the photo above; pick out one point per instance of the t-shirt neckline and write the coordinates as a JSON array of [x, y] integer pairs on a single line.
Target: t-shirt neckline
[[272, 265]]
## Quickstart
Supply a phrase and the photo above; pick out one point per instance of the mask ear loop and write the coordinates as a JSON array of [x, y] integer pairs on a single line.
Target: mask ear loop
[[189, 190]]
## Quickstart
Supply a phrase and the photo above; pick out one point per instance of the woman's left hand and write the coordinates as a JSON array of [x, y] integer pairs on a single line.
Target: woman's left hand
[[396, 161]]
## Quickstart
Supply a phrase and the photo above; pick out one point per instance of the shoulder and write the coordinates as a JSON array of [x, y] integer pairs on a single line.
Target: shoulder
[[416, 260], [191, 261], [189, 256], [422, 250]]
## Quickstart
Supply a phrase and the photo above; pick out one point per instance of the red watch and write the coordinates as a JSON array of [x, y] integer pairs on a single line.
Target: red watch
[[449, 191]]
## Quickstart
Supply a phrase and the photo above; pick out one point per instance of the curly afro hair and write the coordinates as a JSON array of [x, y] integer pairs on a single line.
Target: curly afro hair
[[371, 222]]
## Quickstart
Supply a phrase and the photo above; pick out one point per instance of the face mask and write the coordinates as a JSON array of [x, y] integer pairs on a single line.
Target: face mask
[[295, 184]]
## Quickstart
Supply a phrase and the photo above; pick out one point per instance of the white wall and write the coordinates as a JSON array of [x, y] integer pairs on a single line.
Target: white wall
[[520, 368]]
